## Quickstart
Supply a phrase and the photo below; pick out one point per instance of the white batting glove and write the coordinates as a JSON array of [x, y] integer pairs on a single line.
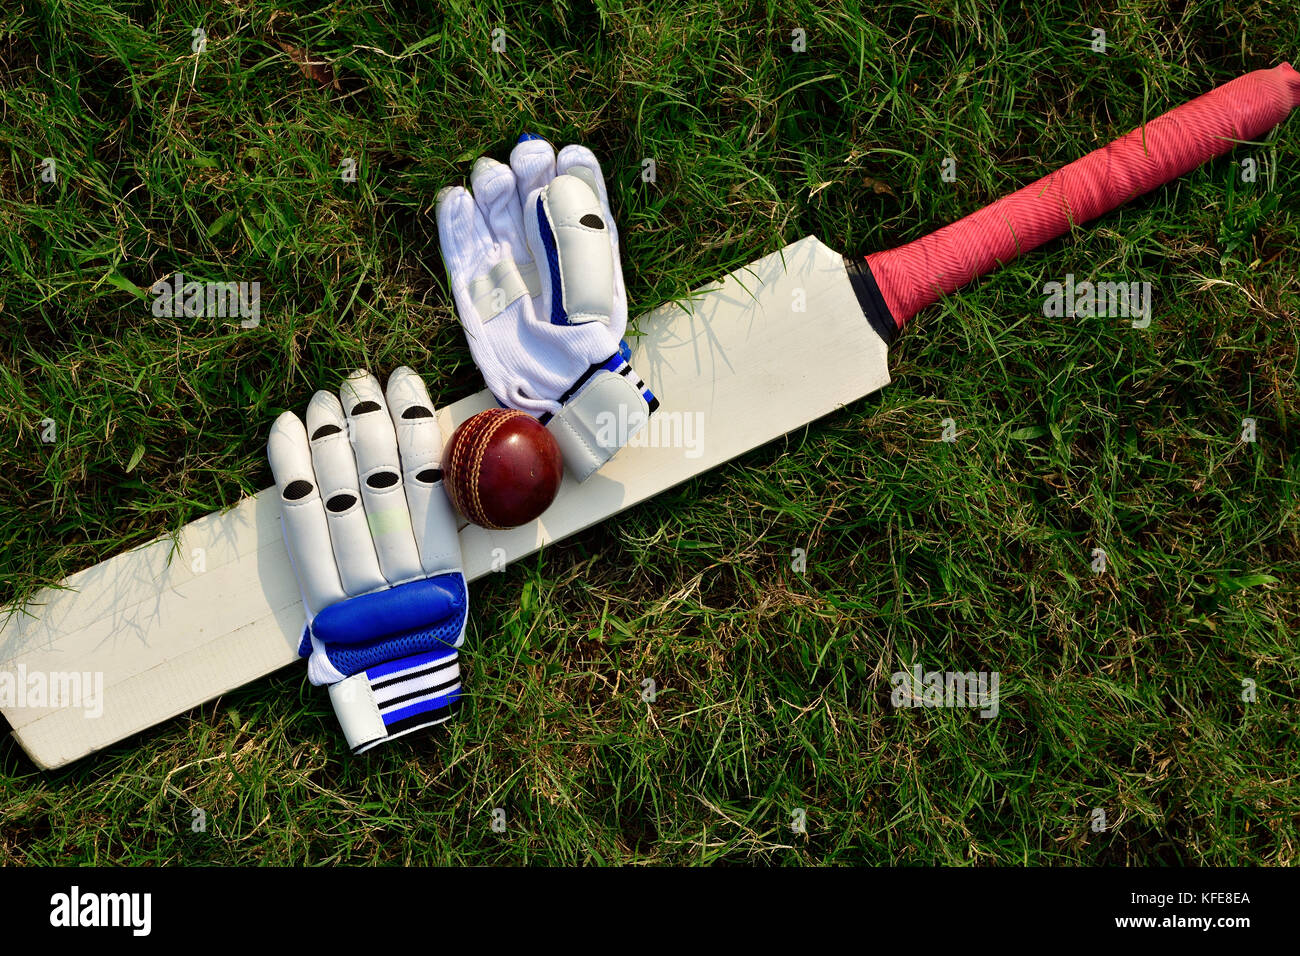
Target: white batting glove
[[532, 252], [373, 542]]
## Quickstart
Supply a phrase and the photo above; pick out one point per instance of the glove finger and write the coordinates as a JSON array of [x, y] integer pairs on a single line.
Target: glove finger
[[336, 470], [579, 161], [306, 529], [533, 163], [419, 440], [379, 467], [493, 186], [569, 238], [468, 249]]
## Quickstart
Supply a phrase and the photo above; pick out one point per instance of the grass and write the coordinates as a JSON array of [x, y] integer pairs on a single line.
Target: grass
[[1121, 691]]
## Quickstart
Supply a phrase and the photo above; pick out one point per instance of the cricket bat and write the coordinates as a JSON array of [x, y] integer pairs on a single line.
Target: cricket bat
[[773, 346]]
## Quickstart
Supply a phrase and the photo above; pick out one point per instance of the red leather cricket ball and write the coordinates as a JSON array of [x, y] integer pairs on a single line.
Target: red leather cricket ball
[[502, 468]]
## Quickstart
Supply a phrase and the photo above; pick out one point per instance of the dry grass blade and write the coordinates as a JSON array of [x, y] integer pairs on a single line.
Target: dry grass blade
[[313, 68]]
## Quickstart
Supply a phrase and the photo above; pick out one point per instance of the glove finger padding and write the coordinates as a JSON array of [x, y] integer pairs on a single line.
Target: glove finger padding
[[567, 234], [419, 441], [385, 594], [374, 444], [581, 162], [302, 515], [336, 473]]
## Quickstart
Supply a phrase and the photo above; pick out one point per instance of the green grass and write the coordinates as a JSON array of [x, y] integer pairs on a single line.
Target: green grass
[[1121, 691]]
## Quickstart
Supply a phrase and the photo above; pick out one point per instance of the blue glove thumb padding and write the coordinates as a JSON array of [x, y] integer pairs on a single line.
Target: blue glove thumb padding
[[398, 610]]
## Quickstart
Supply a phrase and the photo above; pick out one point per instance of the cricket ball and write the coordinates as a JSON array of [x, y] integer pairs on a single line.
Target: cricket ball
[[502, 468]]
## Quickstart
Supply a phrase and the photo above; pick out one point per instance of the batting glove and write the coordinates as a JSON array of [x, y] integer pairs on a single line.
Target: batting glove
[[373, 543], [532, 252]]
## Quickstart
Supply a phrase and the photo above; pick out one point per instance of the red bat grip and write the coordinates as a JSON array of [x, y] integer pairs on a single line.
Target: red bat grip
[[913, 276]]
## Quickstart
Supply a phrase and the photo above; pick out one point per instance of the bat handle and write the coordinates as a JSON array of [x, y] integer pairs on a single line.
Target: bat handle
[[894, 285]]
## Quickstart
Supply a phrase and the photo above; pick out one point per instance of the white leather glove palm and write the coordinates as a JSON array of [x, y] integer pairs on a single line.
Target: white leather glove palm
[[532, 253]]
